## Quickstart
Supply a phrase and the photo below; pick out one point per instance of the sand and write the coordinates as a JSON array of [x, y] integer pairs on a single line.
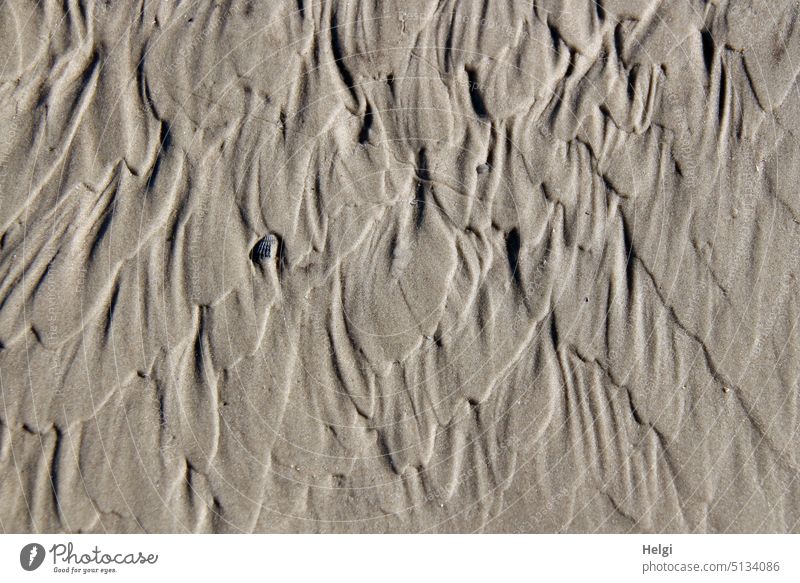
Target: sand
[[396, 266]]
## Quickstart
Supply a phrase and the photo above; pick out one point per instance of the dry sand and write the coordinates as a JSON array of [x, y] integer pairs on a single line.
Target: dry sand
[[390, 266]]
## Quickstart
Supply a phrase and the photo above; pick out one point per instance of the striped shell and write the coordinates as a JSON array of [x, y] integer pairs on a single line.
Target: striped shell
[[266, 247]]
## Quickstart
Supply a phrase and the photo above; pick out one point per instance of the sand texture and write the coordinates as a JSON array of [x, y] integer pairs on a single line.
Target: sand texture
[[399, 266]]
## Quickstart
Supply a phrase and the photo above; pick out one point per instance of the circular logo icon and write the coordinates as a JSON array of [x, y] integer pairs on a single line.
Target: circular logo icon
[[31, 556]]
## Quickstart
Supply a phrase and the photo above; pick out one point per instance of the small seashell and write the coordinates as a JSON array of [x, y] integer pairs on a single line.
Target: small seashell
[[266, 247]]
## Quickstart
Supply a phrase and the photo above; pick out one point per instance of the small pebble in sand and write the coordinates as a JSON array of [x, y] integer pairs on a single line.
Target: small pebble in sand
[[265, 248], [483, 168]]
